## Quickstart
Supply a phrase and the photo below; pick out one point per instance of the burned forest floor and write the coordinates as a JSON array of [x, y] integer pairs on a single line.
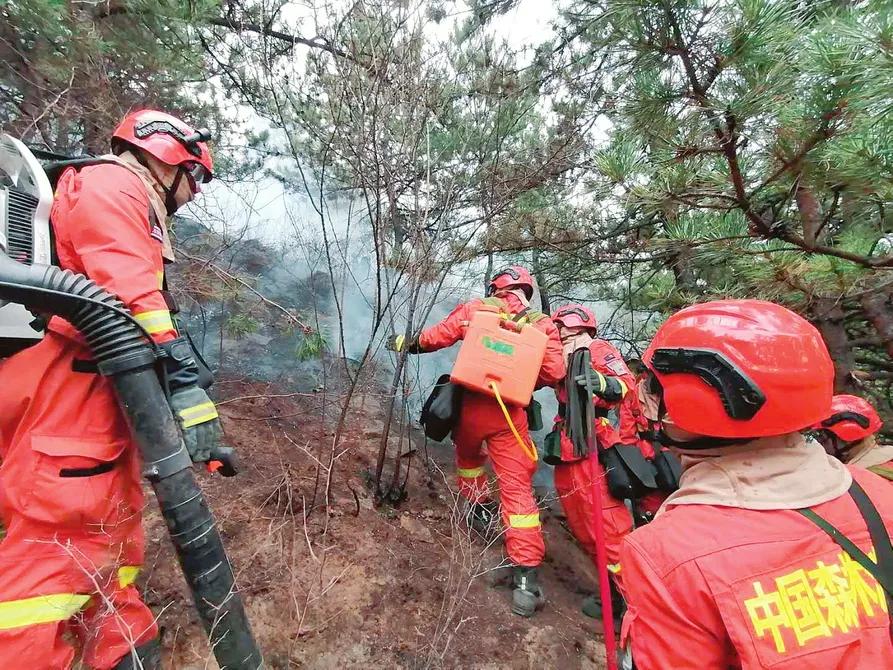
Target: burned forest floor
[[360, 586]]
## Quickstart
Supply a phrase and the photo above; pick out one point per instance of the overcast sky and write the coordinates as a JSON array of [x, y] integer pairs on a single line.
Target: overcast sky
[[272, 212]]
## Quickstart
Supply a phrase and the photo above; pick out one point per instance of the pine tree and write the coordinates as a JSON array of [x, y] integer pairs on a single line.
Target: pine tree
[[750, 155]]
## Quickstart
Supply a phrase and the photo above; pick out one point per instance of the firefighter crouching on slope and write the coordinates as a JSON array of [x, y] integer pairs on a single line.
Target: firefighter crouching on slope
[[481, 420], [70, 483], [737, 569], [850, 434], [575, 474]]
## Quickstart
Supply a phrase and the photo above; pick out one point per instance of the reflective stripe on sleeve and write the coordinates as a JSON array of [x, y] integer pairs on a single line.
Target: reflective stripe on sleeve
[[614, 568], [192, 416], [156, 321], [470, 473]]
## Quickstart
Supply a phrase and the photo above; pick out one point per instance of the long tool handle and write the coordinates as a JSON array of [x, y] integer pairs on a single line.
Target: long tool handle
[[601, 559], [601, 551]]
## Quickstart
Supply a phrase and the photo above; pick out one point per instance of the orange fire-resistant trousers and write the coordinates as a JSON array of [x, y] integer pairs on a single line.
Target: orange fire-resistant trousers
[[71, 501], [481, 420], [577, 484]]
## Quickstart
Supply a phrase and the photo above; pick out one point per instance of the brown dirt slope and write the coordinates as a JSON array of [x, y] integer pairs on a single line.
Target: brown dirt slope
[[362, 587]]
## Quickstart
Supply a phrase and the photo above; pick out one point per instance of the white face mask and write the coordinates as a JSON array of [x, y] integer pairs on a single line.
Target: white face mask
[[575, 338], [516, 291], [650, 402]]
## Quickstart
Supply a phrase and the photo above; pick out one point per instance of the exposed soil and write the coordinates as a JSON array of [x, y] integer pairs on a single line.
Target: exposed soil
[[362, 587]]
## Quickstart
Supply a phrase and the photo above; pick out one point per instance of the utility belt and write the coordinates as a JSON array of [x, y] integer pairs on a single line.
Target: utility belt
[[629, 475]]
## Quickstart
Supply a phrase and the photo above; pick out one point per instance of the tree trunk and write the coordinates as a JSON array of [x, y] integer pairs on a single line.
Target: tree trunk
[[541, 282], [680, 265], [878, 310], [810, 214], [829, 319]]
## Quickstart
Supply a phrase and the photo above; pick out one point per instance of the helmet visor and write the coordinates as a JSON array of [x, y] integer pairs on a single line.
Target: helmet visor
[[197, 175]]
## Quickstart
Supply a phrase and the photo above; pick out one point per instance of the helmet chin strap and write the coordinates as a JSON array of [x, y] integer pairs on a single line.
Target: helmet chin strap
[[170, 199]]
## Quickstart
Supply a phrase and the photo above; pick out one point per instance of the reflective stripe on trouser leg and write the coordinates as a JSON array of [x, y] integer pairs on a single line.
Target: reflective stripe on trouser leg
[[127, 575], [473, 483], [514, 478], [524, 520], [40, 609]]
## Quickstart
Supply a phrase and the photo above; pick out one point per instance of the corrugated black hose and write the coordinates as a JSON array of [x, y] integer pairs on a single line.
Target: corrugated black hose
[[126, 355]]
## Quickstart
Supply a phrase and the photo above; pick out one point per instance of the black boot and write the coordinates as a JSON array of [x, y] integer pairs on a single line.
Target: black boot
[[484, 519], [528, 596], [145, 657], [592, 606]]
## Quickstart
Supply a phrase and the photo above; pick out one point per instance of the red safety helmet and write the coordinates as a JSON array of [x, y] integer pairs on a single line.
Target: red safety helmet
[[576, 316], [513, 275], [168, 139], [852, 418], [741, 369]]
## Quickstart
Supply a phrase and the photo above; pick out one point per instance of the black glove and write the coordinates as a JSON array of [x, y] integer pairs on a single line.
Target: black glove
[[178, 366], [193, 409], [609, 389]]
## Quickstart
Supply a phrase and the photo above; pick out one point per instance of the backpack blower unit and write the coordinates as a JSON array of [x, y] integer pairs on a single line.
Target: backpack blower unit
[[126, 356]]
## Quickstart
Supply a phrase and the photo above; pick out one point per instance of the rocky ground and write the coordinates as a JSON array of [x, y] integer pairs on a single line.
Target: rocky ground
[[362, 587]]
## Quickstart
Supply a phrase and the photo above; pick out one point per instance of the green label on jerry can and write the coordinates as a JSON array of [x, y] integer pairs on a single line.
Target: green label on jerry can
[[501, 348]]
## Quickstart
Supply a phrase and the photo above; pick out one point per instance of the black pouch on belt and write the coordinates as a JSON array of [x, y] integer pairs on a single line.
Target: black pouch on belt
[[440, 413], [629, 474], [534, 416], [552, 448]]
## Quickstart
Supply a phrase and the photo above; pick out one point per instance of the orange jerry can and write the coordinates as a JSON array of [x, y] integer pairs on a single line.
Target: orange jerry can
[[498, 350]]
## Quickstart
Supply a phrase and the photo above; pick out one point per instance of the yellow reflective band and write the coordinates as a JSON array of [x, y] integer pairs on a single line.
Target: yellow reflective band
[[192, 416], [160, 276], [157, 321], [524, 520], [127, 575], [623, 388], [614, 568], [40, 609], [605, 421], [470, 473]]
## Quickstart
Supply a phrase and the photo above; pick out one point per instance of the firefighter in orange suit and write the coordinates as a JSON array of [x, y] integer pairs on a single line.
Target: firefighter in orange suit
[[70, 483], [850, 434], [481, 420], [771, 554], [575, 476]]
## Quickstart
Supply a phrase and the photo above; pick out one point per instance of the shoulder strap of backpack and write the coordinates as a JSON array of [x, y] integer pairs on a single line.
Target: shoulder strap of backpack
[[499, 303], [55, 169], [882, 570]]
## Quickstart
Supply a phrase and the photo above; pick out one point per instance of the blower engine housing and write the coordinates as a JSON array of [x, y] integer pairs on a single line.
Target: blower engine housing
[[26, 197]]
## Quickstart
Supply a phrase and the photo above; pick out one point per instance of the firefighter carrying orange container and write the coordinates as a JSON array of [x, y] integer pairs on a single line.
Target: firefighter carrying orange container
[[486, 419], [772, 554], [70, 485]]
